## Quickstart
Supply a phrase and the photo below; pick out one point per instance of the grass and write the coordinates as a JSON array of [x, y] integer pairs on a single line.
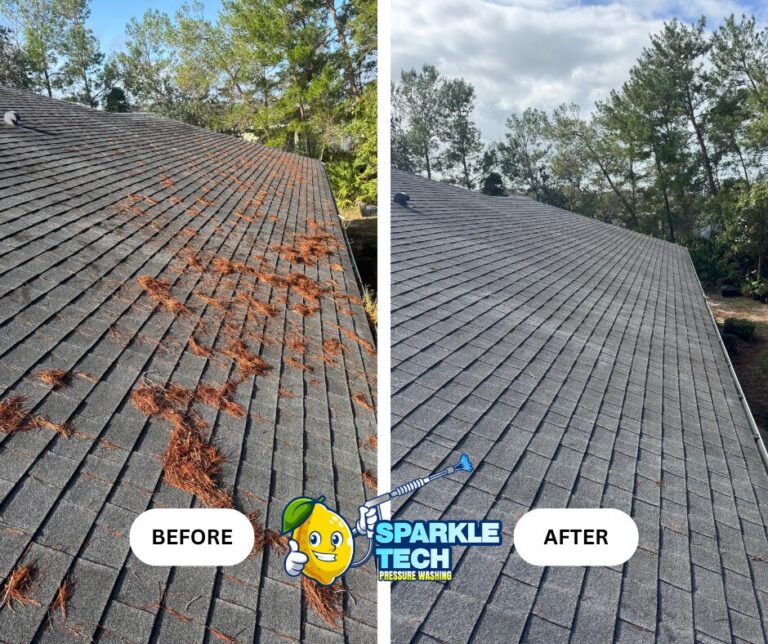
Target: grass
[[750, 360], [371, 306]]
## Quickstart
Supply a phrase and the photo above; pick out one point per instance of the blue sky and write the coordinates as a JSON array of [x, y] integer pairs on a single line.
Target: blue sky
[[108, 18], [538, 53]]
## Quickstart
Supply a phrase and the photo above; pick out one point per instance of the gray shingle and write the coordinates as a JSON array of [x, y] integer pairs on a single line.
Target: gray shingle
[[88, 204], [590, 375]]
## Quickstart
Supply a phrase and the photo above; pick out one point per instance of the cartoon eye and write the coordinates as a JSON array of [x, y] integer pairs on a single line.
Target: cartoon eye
[[314, 539], [336, 539]]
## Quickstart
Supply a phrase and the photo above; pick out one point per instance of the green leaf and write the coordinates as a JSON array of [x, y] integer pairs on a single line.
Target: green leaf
[[298, 511]]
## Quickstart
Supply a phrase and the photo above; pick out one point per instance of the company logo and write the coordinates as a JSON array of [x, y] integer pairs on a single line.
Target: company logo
[[322, 542], [423, 550]]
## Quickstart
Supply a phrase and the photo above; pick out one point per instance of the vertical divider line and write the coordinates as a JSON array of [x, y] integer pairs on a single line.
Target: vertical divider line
[[383, 610]]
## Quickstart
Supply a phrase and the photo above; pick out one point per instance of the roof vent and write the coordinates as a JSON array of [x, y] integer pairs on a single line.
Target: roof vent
[[12, 118], [402, 199]]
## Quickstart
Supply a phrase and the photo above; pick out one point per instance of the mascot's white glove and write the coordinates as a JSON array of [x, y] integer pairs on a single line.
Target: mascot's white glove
[[294, 560], [366, 523]]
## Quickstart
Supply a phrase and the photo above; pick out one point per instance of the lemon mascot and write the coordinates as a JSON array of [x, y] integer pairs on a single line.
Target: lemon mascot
[[322, 544]]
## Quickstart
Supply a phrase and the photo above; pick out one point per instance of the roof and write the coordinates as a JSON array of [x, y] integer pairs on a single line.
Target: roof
[[142, 254], [577, 364]]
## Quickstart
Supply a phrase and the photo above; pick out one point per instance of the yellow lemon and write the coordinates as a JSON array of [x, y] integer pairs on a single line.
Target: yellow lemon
[[326, 539]]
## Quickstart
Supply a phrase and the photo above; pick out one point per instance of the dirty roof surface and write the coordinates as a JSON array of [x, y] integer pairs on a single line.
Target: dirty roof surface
[[577, 364], [138, 253]]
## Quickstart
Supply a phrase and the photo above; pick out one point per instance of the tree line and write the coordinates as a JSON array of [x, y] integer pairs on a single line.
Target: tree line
[[678, 151], [299, 75]]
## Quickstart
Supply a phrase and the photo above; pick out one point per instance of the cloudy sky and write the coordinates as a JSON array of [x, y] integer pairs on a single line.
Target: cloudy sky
[[537, 53]]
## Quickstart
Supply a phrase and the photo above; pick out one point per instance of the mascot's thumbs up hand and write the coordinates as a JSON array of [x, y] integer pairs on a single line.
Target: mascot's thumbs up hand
[[366, 522], [294, 560]]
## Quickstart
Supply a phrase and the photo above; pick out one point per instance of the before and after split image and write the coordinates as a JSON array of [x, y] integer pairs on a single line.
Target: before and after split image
[[368, 322]]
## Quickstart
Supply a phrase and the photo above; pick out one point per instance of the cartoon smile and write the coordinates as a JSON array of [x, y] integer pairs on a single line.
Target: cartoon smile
[[324, 556]]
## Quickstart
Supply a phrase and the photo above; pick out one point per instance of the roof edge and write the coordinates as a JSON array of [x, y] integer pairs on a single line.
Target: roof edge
[[355, 269], [747, 411]]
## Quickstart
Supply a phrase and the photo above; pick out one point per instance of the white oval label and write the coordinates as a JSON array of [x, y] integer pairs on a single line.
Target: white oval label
[[191, 537], [576, 537]]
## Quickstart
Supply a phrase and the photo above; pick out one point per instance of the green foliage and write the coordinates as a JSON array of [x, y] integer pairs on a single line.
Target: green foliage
[[432, 127], [14, 64], [353, 173], [298, 511], [743, 329], [678, 151], [116, 101], [296, 75], [730, 341], [417, 102], [493, 185], [461, 136]]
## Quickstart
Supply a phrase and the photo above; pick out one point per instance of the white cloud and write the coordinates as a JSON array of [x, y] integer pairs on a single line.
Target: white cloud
[[531, 53]]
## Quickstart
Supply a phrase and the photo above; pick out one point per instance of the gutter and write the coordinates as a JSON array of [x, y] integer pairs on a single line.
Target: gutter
[[760, 444], [351, 255]]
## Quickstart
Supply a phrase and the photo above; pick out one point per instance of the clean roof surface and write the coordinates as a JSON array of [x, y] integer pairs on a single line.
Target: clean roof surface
[[89, 203], [577, 364]]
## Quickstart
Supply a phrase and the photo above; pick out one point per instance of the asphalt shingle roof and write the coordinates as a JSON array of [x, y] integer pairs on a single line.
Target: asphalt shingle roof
[[89, 203], [577, 364]]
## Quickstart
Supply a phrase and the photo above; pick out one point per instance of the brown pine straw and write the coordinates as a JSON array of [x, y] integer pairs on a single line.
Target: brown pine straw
[[305, 286], [190, 462], [361, 400], [19, 587], [194, 262], [326, 601], [213, 302], [221, 265], [370, 348], [220, 398], [371, 443], [248, 363], [305, 309], [266, 537], [193, 465], [278, 542], [15, 417], [65, 429], [369, 480], [160, 292], [56, 378], [296, 364], [154, 400], [269, 310], [221, 636], [307, 249], [295, 341], [63, 594], [199, 349]]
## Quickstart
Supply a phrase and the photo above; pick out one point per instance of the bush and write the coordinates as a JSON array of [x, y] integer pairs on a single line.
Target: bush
[[743, 329], [729, 340]]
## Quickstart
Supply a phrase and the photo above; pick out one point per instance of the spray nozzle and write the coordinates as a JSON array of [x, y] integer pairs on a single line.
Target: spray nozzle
[[464, 465]]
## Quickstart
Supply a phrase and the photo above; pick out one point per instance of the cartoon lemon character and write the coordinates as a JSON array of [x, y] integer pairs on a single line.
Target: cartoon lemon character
[[322, 543]]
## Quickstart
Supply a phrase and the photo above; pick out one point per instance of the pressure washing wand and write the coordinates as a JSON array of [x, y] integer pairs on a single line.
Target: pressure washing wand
[[464, 465]]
